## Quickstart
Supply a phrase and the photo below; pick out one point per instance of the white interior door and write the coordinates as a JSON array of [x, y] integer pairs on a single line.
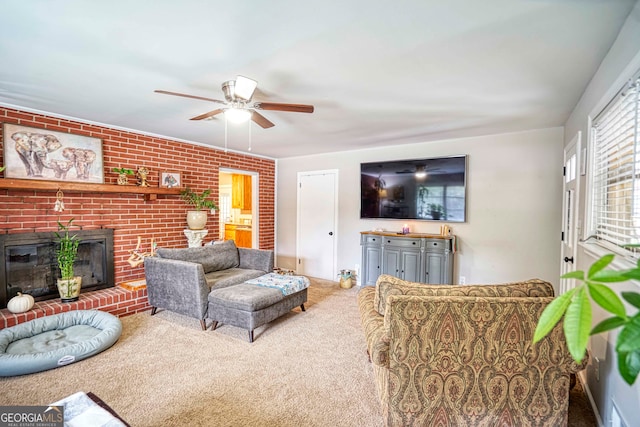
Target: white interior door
[[317, 224], [570, 228]]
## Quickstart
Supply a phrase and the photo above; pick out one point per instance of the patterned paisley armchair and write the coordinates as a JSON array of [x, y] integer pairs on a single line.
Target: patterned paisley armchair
[[463, 355]]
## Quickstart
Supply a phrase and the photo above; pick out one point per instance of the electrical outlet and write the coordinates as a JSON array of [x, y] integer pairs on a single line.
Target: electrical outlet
[[596, 368], [463, 280]]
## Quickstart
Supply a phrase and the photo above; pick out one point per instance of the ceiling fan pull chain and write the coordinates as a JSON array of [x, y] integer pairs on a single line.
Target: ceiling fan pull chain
[[225, 134], [249, 122]]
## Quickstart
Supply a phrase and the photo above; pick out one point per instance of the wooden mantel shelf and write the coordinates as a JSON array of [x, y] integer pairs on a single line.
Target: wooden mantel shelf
[[150, 193]]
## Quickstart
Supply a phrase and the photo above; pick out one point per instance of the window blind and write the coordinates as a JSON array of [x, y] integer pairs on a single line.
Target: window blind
[[615, 206]]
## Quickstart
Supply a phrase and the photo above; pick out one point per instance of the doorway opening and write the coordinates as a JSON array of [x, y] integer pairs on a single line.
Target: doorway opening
[[238, 200]]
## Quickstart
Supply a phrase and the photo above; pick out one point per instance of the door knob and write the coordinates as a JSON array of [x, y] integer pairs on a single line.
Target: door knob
[[567, 259]]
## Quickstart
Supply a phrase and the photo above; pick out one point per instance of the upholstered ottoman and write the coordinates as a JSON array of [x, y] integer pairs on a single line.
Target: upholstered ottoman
[[256, 302]]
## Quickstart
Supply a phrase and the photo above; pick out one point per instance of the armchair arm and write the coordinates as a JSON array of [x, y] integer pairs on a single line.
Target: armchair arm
[[373, 325], [256, 259], [178, 286]]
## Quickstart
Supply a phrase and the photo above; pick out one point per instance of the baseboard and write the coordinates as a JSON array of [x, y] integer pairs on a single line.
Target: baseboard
[[585, 386]]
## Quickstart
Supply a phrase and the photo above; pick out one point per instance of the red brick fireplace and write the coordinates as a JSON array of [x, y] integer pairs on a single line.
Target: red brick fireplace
[[128, 214]]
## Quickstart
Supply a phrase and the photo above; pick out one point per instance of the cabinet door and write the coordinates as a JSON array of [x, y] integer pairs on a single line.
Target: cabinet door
[[229, 232], [241, 191], [371, 262], [246, 193], [410, 266], [391, 261], [435, 265], [243, 238]]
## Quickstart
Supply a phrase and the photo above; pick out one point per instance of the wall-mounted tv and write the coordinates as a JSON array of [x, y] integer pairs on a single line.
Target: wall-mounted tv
[[432, 189]]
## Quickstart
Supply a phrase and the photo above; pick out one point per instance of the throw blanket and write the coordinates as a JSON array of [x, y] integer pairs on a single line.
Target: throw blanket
[[80, 410], [287, 284]]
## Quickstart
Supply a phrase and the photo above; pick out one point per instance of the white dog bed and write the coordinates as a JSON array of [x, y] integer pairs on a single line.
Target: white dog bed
[[52, 341]]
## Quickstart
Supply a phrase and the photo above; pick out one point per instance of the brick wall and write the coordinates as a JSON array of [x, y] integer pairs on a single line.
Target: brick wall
[[128, 214]]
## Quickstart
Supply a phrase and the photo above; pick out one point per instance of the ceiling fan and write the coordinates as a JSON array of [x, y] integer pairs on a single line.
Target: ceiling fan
[[238, 106]]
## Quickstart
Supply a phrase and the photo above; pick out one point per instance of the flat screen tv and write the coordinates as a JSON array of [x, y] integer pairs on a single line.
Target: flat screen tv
[[432, 189]]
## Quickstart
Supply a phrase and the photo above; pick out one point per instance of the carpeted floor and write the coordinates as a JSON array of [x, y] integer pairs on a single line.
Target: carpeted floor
[[306, 369]]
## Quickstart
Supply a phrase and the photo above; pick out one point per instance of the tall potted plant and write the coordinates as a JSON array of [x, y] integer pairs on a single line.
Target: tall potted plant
[[197, 218], [66, 254]]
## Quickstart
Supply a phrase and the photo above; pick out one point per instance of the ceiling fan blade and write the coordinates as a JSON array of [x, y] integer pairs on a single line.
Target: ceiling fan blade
[[207, 115], [296, 108], [165, 92], [261, 120]]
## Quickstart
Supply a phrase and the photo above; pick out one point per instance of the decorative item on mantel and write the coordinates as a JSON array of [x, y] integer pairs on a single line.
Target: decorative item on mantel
[[68, 284], [136, 258], [142, 176], [197, 219], [123, 179]]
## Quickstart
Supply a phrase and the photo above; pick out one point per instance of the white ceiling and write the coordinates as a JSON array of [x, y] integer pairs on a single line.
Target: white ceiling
[[379, 73]]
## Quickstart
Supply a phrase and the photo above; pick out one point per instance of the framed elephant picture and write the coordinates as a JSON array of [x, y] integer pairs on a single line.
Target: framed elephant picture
[[33, 153]]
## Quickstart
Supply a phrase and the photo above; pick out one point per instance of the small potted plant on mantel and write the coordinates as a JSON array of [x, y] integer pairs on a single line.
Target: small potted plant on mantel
[[68, 284], [197, 218], [123, 179]]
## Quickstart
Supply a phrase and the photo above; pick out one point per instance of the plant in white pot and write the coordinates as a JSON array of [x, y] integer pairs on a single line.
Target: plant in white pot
[[197, 218], [66, 253]]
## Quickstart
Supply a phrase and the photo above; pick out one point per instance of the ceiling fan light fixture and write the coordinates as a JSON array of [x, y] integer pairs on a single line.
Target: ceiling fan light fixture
[[237, 115], [245, 87]]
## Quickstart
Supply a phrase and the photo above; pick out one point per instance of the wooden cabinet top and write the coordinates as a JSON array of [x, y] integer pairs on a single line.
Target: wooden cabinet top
[[410, 235]]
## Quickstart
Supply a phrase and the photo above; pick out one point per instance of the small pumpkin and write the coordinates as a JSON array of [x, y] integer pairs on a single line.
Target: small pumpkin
[[20, 303]]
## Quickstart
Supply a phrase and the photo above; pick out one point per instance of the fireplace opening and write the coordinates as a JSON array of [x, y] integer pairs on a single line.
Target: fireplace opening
[[30, 264]]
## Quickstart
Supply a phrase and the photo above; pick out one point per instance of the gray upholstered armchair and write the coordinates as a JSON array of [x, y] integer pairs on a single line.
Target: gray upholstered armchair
[[180, 280]]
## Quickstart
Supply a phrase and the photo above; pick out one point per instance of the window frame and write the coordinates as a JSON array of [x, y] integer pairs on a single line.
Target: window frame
[[590, 240]]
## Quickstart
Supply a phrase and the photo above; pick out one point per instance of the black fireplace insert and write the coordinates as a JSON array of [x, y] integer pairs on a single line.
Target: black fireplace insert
[[29, 263]]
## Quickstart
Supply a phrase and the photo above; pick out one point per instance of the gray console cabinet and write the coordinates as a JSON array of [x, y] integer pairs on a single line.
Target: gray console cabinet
[[412, 257]]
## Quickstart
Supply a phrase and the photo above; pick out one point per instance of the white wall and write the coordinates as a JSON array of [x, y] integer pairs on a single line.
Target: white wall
[[620, 63], [514, 188]]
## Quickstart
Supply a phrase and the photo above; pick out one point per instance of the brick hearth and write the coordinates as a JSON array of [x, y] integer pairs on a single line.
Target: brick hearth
[[118, 301]]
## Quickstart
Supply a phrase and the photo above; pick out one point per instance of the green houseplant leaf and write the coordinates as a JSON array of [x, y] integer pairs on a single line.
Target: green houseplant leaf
[[633, 274], [599, 265], [629, 338], [632, 298], [197, 200], [67, 249], [123, 171], [629, 366], [552, 314], [609, 276], [578, 274], [608, 324], [577, 323], [607, 299]]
